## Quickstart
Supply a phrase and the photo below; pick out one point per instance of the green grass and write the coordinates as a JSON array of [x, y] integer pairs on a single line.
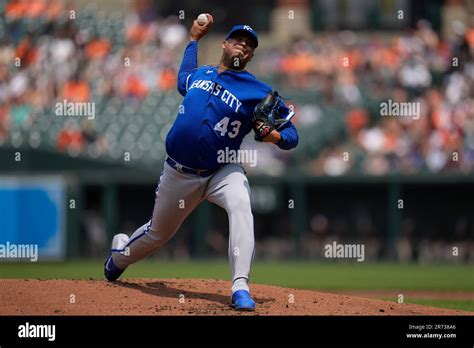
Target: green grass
[[302, 275]]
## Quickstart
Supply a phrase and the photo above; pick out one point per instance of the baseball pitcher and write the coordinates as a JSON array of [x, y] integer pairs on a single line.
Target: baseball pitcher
[[221, 105]]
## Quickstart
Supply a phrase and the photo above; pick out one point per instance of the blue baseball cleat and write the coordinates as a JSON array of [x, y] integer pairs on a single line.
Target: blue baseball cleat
[[111, 271], [241, 301]]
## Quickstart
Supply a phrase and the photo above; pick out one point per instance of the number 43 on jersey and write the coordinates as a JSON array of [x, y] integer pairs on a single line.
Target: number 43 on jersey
[[223, 127]]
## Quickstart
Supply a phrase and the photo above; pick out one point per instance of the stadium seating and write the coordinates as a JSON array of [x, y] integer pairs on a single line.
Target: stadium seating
[[138, 120]]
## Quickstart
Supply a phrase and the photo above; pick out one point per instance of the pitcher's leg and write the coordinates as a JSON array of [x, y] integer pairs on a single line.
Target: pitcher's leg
[[229, 188], [177, 196]]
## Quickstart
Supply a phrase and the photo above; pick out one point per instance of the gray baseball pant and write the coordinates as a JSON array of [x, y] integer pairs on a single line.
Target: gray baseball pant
[[177, 195]]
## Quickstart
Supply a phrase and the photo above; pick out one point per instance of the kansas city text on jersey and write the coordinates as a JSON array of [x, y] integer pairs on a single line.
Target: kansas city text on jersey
[[215, 89]]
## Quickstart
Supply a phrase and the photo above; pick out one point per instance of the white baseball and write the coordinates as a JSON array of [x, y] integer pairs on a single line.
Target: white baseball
[[202, 19]]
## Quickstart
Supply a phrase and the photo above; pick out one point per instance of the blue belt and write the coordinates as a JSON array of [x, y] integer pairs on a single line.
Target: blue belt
[[182, 169]]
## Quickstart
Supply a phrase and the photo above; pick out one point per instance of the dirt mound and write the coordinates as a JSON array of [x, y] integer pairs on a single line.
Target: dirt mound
[[183, 297], [424, 294]]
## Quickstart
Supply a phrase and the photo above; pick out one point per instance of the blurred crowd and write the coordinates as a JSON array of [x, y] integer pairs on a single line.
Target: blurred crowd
[[358, 72], [49, 54], [339, 80]]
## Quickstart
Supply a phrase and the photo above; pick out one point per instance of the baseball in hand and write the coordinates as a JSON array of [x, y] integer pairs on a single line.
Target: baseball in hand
[[202, 19]]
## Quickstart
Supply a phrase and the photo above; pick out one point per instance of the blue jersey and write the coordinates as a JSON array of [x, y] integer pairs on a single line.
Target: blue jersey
[[216, 113]]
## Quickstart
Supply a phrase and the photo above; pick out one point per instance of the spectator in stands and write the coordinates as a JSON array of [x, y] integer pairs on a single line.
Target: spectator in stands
[[134, 87], [97, 48], [70, 138], [92, 139], [76, 90], [26, 51], [167, 79]]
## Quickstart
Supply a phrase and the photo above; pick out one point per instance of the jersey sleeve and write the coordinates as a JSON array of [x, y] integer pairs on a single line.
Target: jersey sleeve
[[289, 136], [188, 67]]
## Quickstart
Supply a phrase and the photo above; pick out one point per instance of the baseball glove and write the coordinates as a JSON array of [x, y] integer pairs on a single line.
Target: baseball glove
[[267, 115]]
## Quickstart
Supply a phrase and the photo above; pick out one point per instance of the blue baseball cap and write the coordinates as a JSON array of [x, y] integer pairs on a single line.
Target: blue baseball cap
[[246, 30]]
